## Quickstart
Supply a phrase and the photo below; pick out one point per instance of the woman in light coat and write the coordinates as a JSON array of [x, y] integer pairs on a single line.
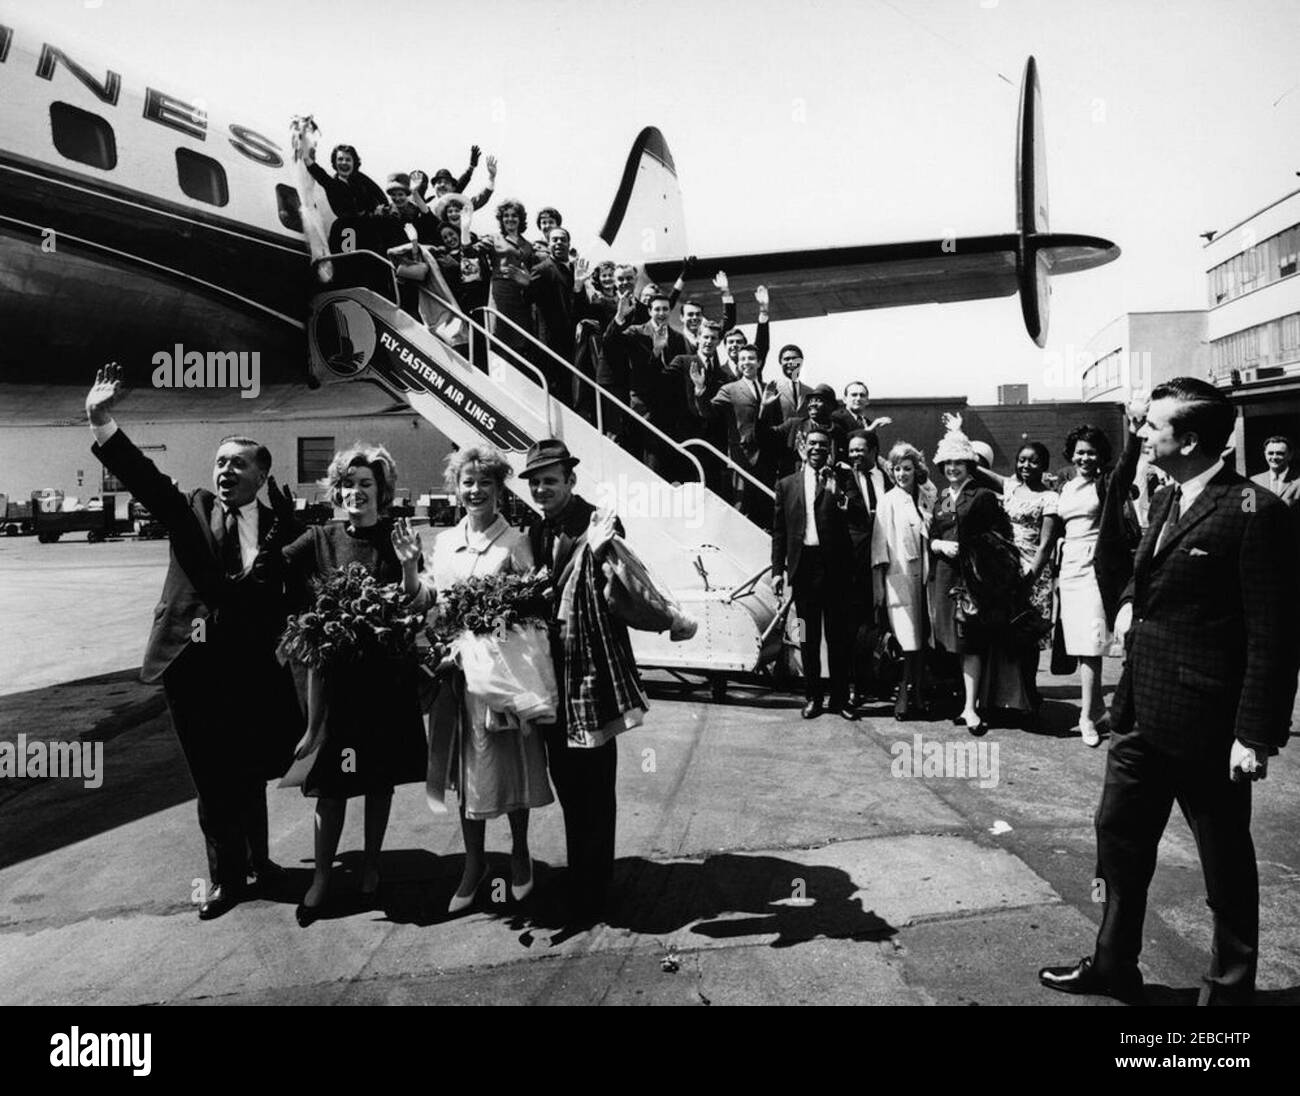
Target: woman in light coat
[[899, 554]]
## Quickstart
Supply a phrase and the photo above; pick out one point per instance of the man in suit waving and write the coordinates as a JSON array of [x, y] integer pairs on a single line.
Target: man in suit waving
[[213, 641], [811, 546], [1213, 644]]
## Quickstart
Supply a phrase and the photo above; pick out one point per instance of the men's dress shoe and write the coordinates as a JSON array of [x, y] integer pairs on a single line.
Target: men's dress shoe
[[1083, 978], [812, 709], [848, 713], [221, 899]]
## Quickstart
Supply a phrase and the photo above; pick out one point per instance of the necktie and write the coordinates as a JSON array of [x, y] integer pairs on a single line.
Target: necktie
[[549, 539], [868, 491], [1171, 519], [232, 559]]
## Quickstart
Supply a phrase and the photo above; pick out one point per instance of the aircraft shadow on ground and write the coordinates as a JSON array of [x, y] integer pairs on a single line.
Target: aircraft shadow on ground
[[794, 902]]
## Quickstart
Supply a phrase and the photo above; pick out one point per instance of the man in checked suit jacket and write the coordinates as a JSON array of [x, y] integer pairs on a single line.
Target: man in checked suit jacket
[[584, 778], [811, 547], [1213, 646], [212, 645]]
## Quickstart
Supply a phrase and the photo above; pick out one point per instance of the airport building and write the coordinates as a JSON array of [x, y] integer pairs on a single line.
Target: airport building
[[59, 456], [1253, 325], [1139, 350]]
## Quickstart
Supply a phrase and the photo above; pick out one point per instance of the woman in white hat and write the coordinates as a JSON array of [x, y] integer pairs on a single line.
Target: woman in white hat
[[964, 513]]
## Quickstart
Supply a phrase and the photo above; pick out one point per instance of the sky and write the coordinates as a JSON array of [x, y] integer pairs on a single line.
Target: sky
[[834, 122]]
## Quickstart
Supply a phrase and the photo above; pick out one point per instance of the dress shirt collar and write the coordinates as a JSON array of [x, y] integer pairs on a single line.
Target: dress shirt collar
[[1191, 490]]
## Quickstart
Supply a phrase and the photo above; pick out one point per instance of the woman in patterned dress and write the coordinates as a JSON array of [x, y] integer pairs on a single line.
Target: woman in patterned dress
[[1010, 674], [496, 769]]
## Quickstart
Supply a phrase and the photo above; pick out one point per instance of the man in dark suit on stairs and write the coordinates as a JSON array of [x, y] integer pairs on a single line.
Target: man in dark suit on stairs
[[213, 641]]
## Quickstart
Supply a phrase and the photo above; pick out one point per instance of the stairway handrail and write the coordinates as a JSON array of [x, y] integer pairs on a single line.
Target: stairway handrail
[[601, 392], [731, 464]]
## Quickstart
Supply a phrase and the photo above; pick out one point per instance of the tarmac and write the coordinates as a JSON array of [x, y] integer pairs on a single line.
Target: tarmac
[[761, 858]]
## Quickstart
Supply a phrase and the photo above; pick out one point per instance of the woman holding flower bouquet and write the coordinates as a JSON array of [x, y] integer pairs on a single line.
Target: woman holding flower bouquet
[[496, 759], [357, 641]]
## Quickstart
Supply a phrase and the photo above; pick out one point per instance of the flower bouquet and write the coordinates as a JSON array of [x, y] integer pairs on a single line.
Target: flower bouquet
[[496, 626], [354, 616]]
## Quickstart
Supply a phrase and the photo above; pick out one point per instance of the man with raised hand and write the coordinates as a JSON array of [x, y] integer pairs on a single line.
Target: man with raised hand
[[213, 640]]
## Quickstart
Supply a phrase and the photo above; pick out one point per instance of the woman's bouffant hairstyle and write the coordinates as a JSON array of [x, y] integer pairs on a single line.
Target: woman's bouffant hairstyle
[[516, 205], [356, 157], [489, 460], [903, 450], [1094, 436], [375, 457]]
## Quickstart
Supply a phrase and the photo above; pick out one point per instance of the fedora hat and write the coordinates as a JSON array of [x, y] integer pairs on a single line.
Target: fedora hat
[[544, 453]]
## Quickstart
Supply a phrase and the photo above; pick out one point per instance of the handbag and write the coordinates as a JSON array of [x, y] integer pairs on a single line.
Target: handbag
[[887, 659]]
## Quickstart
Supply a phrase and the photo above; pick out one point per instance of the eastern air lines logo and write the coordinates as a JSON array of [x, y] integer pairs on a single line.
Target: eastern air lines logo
[[345, 337]]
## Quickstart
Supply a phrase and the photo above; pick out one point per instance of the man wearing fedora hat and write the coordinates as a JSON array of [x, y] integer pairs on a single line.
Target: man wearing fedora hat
[[583, 777]]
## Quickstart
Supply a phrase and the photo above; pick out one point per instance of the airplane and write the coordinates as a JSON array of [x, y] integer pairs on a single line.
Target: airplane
[[131, 219]]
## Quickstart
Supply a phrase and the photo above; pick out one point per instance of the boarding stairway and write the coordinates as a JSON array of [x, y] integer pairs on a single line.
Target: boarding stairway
[[713, 559]]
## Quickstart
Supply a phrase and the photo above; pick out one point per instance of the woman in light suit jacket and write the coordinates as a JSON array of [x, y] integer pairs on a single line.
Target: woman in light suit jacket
[[899, 553]]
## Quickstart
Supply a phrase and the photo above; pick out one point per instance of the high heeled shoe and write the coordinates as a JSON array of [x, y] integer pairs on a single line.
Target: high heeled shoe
[[305, 914], [461, 902], [1088, 732], [520, 893]]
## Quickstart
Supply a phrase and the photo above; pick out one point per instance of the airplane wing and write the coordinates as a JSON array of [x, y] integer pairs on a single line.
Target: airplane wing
[[647, 217], [849, 279]]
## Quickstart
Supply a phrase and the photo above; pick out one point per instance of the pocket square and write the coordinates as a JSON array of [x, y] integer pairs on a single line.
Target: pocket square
[[1197, 552]]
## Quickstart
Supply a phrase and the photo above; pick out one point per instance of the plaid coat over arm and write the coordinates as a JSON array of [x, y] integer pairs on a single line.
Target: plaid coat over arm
[[1214, 646]]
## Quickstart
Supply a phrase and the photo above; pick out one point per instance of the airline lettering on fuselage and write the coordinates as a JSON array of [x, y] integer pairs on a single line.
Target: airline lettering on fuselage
[[159, 107], [170, 111]]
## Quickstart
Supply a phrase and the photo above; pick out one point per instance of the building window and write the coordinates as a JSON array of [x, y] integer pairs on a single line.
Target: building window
[[1274, 343], [1264, 263], [201, 177], [290, 207], [314, 455], [82, 136]]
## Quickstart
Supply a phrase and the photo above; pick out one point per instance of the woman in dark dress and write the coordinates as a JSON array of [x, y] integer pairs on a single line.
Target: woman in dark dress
[[970, 547], [513, 260], [365, 722]]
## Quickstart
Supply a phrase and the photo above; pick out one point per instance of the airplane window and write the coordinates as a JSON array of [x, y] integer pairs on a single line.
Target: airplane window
[[82, 136], [290, 207], [201, 177]]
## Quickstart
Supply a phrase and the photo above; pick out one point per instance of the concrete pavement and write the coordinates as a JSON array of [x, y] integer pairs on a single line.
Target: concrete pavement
[[761, 858]]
